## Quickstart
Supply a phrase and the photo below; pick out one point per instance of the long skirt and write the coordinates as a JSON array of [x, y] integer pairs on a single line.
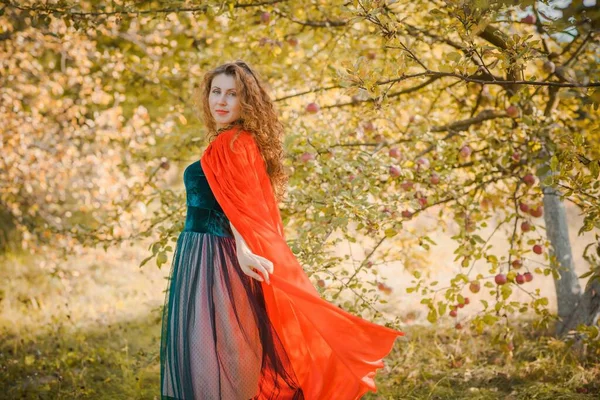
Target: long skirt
[[217, 342]]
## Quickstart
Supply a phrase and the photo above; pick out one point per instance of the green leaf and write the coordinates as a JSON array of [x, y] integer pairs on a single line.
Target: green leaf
[[554, 163], [161, 258], [585, 275], [390, 232], [432, 316]]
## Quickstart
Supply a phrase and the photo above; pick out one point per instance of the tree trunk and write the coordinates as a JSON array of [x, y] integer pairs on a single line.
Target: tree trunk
[[568, 290], [587, 311]]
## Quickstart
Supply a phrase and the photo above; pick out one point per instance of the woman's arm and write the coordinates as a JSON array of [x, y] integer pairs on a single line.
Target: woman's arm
[[249, 261], [240, 244]]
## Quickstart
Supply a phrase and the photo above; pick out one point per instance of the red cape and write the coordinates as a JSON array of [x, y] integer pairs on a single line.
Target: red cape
[[334, 354]]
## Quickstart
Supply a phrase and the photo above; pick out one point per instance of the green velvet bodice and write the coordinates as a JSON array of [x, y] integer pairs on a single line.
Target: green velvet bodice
[[204, 214]]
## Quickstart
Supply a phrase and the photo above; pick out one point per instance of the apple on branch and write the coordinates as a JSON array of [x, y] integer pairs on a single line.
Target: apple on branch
[[529, 179], [265, 18], [312, 108], [306, 157], [500, 279], [395, 153], [529, 19], [465, 151], [512, 111]]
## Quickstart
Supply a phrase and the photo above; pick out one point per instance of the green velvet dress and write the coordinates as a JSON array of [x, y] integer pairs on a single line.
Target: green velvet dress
[[216, 339]]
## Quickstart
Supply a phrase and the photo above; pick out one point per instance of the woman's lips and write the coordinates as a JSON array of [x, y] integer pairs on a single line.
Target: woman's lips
[[222, 112]]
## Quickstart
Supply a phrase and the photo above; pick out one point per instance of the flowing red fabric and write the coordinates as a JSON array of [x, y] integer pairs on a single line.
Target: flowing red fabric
[[334, 354]]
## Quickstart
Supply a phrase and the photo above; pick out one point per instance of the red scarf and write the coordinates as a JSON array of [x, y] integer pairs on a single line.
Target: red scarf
[[334, 354]]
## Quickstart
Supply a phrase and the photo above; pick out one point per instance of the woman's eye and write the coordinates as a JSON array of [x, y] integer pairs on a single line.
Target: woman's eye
[[217, 92]]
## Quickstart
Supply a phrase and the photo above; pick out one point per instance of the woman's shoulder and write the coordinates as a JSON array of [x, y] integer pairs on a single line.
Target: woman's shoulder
[[240, 137]]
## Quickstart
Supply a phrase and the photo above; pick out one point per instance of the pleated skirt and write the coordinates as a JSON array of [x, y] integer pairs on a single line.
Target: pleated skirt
[[217, 342]]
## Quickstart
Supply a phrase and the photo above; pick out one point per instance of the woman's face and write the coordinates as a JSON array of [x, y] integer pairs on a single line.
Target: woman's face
[[224, 96]]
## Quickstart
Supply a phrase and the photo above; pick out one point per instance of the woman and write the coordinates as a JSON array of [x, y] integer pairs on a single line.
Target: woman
[[241, 318]]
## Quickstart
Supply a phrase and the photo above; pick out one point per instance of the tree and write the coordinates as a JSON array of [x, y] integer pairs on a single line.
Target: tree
[[469, 108]]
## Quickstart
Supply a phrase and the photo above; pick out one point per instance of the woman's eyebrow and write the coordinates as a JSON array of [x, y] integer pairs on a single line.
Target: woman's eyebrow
[[216, 87]]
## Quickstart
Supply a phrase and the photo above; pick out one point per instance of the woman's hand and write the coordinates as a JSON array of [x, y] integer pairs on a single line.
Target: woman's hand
[[252, 263]]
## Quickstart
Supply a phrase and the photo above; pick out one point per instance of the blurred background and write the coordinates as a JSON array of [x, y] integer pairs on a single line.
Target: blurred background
[[443, 160]]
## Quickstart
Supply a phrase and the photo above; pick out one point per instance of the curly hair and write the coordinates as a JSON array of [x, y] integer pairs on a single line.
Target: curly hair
[[257, 116]]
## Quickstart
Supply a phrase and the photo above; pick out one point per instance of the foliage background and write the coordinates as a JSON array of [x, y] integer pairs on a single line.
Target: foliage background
[[99, 120]]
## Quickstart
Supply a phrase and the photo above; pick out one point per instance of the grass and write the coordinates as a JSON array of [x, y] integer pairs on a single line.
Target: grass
[[92, 331]]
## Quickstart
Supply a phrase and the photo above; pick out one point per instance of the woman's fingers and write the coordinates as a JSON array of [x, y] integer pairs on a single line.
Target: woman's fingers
[[254, 266], [250, 272], [264, 272], [267, 264]]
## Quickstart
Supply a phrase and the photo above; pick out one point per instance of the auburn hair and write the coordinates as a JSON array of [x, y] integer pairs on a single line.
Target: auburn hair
[[257, 116]]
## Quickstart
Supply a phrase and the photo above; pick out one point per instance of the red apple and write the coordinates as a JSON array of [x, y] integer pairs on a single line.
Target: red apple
[[434, 179], [525, 226], [523, 207], [369, 126], [528, 276], [529, 179], [453, 313], [305, 157], [422, 162], [165, 165], [458, 326], [321, 283], [516, 264], [465, 151], [293, 41], [520, 279], [529, 19], [395, 153], [467, 300], [500, 279], [537, 211], [538, 249], [512, 111], [406, 214], [265, 17], [312, 108], [474, 287], [407, 185], [394, 171], [423, 201], [460, 305], [516, 156]]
